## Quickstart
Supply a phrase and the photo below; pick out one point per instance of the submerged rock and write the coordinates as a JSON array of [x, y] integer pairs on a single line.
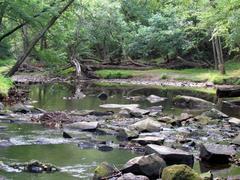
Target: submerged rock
[[103, 170], [131, 176], [191, 102], [149, 140], [104, 148], [35, 167], [180, 172], [236, 140], [83, 126], [170, 155], [126, 134], [66, 135], [216, 153], [103, 96], [149, 165], [155, 99], [215, 114], [147, 125]]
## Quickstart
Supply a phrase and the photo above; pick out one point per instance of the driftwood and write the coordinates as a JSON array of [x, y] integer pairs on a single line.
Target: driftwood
[[228, 92]]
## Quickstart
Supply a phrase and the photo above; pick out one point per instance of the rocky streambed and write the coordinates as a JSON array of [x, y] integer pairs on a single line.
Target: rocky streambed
[[130, 133]]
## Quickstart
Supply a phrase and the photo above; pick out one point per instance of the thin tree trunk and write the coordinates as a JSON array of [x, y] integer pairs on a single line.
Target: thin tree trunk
[[3, 8], [221, 68], [37, 38], [214, 54]]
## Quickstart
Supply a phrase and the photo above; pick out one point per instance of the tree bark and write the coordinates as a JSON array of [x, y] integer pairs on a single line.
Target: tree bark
[[3, 8], [37, 38], [218, 54]]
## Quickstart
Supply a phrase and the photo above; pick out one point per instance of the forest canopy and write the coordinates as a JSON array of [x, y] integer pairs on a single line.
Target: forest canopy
[[107, 31]]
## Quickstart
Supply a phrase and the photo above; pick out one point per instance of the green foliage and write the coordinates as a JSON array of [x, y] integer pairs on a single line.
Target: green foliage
[[5, 85], [114, 74]]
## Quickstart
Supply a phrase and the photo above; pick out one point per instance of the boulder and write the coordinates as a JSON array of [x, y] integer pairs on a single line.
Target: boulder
[[215, 114], [155, 99], [126, 134], [124, 113], [119, 106], [203, 119], [234, 121], [147, 125], [103, 170], [131, 176], [191, 102], [20, 108], [236, 140], [104, 148], [137, 112], [149, 140], [83, 126], [155, 110], [149, 165], [102, 96], [180, 172], [170, 155], [165, 119], [216, 153]]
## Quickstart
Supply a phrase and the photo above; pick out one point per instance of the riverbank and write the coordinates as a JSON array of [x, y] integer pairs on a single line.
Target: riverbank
[[193, 75]]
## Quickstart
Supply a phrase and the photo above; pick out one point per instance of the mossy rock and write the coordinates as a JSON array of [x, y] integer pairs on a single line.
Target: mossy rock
[[180, 172], [103, 170]]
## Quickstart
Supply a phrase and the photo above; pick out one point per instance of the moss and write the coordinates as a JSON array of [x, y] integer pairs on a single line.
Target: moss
[[114, 74], [180, 172], [103, 170]]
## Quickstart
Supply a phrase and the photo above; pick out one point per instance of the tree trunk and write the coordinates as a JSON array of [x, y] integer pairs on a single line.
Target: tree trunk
[[37, 38], [218, 54], [3, 8]]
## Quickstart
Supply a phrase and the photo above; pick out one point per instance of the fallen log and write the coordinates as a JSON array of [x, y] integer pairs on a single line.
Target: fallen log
[[228, 92]]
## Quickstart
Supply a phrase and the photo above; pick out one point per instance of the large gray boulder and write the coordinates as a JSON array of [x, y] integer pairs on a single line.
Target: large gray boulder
[[149, 140], [147, 125], [170, 155], [149, 165], [216, 153], [131, 176], [236, 140], [83, 126], [191, 102]]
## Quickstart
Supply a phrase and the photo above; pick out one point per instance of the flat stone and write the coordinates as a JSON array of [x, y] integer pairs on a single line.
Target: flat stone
[[149, 140], [137, 112], [119, 106], [149, 165], [234, 121], [216, 153], [155, 99], [170, 155], [147, 125], [236, 140], [131, 176], [191, 102], [84, 126]]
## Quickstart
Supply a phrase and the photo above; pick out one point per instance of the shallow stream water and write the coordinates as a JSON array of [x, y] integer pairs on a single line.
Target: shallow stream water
[[33, 142]]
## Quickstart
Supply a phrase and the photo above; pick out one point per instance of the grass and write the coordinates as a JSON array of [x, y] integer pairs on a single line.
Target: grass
[[5, 83], [232, 75]]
